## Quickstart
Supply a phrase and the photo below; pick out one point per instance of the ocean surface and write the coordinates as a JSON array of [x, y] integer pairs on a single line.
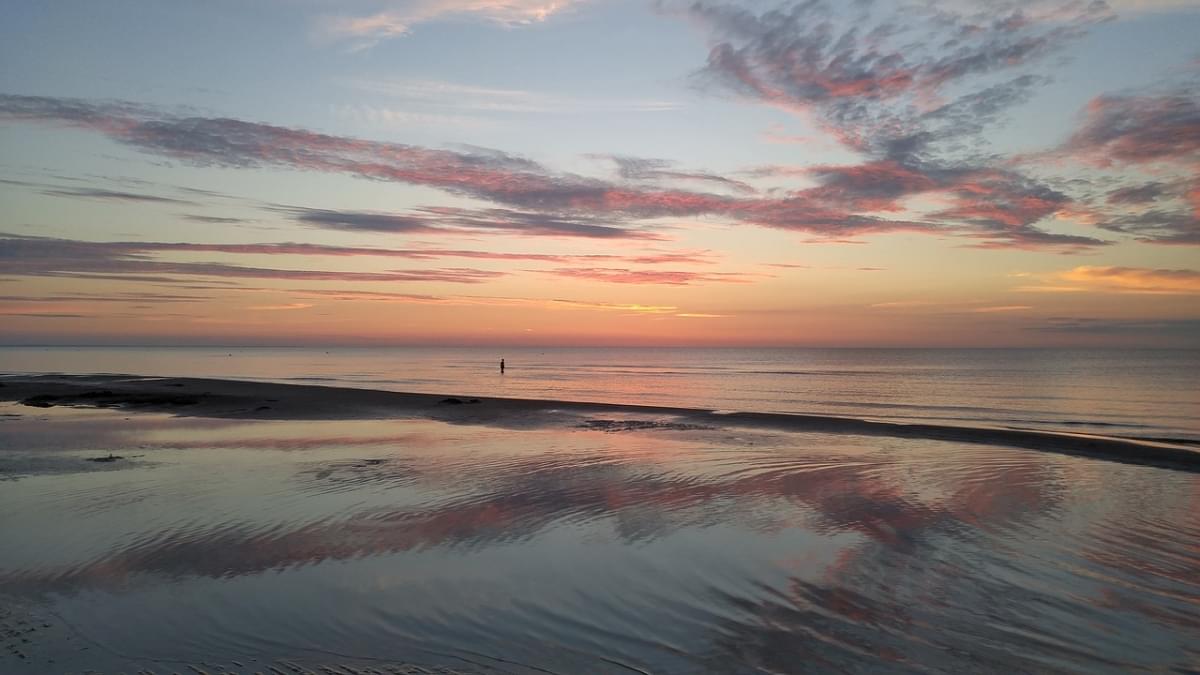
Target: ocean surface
[[1130, 393]]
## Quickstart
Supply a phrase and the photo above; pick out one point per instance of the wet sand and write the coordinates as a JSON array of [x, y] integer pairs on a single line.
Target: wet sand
[[231, 399]]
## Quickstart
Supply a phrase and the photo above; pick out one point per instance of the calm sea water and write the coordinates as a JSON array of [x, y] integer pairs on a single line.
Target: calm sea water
[[1133, 393]]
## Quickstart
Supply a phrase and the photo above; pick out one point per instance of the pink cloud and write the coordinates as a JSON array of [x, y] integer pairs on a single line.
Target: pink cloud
[[400, 17], [1153, 134], [650, 277], [1138, 130], [540, 202]]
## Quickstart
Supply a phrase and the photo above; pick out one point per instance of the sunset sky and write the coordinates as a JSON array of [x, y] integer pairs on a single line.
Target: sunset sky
[[600, 172]]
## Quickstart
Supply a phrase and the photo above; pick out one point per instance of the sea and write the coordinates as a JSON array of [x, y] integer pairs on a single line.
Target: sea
[[145, 542], [1132, 393]]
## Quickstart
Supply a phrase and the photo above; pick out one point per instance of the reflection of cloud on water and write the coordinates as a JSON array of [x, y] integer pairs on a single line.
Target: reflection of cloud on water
[[473, 501]]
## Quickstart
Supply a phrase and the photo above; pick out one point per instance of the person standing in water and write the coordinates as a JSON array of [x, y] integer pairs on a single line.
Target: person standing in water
[[501, 366]]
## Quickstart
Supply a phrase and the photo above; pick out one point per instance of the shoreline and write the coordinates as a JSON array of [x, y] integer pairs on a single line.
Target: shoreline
[[253, 400]]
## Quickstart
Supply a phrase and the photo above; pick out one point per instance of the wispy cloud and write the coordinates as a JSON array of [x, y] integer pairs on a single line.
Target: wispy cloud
[[1137, 194], [139, 261], [1137, 130], [50, 257], [87, 298], [1156, 135], [1135, 279], [453, 220], [905, 304], [997, 207], [214, 220], [386, 117], [423, 253], [552, 304], [632, 276], [1000, 308], [440, 96], [396, 18], [916, 108], [115, 195], [866, 77], [646, 169], [283, 307], [1140, 6], [1114, 279], [948, 308], [45, 315]]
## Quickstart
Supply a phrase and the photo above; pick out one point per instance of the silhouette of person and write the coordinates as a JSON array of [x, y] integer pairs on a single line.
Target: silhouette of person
[[501, 366]]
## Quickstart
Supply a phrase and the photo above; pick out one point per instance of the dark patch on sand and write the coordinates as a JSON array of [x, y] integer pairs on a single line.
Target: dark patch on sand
[[613, 426], [14, 466], [108, 399], [40, 401]]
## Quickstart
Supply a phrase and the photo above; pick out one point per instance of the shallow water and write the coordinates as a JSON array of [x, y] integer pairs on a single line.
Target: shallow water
[[1132, 393], [377, 543]]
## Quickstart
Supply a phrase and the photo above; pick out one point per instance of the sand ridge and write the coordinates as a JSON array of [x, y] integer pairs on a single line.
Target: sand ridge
[[236, 399]]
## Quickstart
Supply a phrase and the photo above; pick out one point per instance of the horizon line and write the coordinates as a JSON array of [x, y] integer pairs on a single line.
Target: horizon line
[[135, 345]]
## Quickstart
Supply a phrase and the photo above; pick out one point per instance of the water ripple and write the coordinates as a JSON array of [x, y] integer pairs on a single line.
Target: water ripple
[[650, 550]]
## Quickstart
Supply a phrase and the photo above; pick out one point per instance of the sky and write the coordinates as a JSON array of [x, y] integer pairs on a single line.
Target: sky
[[600, 172]]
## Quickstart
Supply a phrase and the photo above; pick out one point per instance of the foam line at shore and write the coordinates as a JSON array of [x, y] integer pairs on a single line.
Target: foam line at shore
[[233, 399]]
